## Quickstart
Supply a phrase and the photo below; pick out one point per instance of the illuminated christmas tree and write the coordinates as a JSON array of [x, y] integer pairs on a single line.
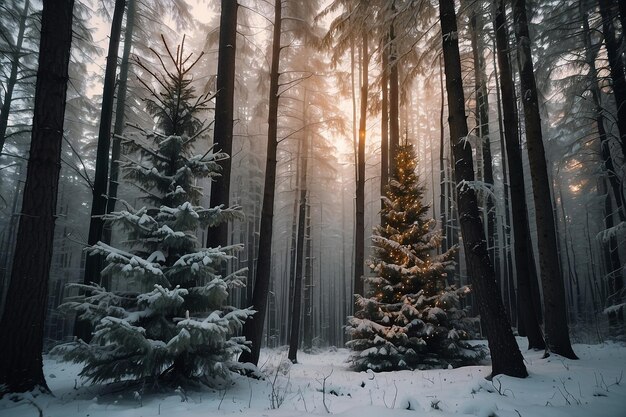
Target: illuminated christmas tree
[[411, 318]]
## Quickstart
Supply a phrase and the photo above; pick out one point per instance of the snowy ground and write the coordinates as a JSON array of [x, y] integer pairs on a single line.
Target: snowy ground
[[594, 386]]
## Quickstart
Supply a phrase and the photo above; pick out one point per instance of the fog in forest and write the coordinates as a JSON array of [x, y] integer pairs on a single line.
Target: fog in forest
[[311, 174]]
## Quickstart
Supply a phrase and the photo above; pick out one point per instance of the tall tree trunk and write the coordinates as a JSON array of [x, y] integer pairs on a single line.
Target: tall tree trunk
[[384, 124], [120, 113], [223, 131], [292, 247], [443, 201], [610, 247], [9, 242], [616, 65], [506, 224], [94, 263], [482, 121], [394, 102], [359, 240], [557, 329], [524, 263], [21, 326], [308, 282], [253, 328], [505, 355], [12, 80], [296, 305], [591, 53]]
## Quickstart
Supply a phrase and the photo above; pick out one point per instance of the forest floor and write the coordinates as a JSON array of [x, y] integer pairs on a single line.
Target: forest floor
[[594, 386]]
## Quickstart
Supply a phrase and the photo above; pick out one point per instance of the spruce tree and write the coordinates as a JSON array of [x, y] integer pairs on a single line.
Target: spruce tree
[[174, 327], [411, 318]]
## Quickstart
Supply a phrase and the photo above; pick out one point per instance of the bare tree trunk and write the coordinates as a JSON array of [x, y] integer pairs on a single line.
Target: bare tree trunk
[[12, 80], [611, 250], [120, 113], [557, 329], [505, 355], [524, 263], [384, 125], [443, 201], [308, 282], [9, 242], [482, 121], [294, 335], [506, 223], [359, 240], [94, 263], [394, 103], [591, 53], [253, 328], [292, 248], [21, 326], [223, 132]]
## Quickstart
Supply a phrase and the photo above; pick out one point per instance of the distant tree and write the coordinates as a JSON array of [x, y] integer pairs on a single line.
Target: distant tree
[[505, 355], [411, 318], [21, 325], [15, 52], [176, 329]]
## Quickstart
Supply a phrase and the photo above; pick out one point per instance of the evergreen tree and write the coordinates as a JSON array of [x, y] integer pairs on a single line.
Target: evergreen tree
[[411, 318], [175, 329]]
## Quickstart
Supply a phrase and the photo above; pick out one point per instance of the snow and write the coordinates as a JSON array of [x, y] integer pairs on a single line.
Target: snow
[[593, 386]]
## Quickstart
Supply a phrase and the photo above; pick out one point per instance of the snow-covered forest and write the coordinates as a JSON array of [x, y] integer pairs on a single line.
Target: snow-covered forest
[[308, 207]]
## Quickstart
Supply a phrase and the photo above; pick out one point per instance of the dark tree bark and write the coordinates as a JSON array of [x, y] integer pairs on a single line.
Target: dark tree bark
[[359, 240], [12, 80], [394, 102], [292, 248], [94, 263], [482, 122], [443, 201], [384, 124], [611, 251], [120, 112], [296, 305], [524, 263], [505, 246], [591, 52], [308, 282], [505, 355], [622, 19], [616, 65], [21, 326], [253, 328], [224, 110], [557, 333]]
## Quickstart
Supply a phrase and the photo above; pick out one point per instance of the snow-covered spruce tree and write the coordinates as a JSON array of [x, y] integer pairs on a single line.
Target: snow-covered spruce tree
[[175, 328], [411, 318]]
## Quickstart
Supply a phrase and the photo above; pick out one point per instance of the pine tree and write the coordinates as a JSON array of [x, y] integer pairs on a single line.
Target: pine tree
[[175, 329], [411, 318]]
